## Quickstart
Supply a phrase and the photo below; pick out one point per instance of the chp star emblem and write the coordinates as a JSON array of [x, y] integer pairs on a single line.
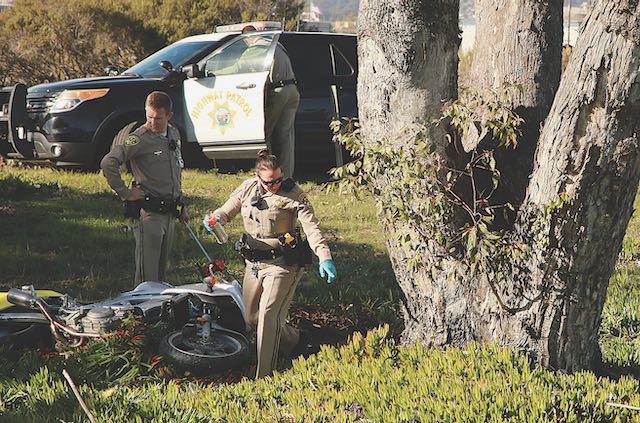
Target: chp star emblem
[[131, 140], [222, 116]]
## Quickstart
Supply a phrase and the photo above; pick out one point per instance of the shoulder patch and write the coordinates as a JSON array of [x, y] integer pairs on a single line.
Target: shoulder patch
[[131, 140], [303, 199]]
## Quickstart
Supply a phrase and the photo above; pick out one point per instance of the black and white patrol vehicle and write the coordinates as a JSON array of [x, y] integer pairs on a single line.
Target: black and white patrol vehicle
[[218, 112]]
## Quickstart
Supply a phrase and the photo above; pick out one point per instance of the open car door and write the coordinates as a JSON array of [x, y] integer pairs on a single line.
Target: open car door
[[225, 101]]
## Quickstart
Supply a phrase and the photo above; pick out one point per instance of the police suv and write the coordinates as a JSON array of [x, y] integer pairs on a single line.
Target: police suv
[[219, 107]]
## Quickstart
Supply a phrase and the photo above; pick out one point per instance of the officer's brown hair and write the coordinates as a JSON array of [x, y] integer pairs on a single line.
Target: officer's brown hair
[[266, 160], [159, 100]]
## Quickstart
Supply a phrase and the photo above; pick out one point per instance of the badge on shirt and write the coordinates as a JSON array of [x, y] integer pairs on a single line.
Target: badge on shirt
[[278, 203], [131, 140]]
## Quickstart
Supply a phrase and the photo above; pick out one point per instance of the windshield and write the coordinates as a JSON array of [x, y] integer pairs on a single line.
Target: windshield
[[178, 54]]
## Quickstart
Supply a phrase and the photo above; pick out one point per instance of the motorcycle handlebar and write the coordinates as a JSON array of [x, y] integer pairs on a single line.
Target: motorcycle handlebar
[[21, 298]]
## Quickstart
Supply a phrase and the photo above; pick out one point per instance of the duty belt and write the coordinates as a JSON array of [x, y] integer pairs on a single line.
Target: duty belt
[[278, 84], [251, 254], [161, 205], [260, 255]]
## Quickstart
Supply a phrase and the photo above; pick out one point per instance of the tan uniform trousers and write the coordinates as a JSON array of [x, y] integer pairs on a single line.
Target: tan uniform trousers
[[280, 116], [267, 299], [154, 235]]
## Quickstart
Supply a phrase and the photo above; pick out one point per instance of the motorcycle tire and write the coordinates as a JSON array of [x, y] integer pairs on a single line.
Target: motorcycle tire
[[25, 335], [223, 351]]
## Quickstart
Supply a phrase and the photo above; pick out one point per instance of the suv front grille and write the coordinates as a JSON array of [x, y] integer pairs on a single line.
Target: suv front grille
[[40, 102]]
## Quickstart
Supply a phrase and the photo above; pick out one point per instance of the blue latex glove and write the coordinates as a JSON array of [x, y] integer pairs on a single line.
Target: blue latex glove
[[205, 222], [328, 269]]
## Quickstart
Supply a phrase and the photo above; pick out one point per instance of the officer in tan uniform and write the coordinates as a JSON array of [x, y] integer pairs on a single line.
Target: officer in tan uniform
[[153, 152], [283, 99], [270, 208]]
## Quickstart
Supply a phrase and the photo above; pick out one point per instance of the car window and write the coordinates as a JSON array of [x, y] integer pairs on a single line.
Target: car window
[[339, 63], [178, 54], [309, 56], [246, 55]]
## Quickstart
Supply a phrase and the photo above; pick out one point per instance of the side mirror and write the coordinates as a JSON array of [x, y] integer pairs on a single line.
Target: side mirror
[[165, 64], [193, 71], [111, 70]]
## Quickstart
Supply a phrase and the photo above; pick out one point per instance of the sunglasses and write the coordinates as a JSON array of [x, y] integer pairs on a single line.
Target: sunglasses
[[272, 182]]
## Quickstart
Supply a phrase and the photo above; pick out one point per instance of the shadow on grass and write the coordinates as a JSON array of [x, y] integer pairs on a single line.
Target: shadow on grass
[[615, 372]]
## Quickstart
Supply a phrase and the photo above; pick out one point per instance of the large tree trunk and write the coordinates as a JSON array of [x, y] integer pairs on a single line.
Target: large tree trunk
[[408, 63], [519, 42], [589, 150], [550, 302], [408, 59]]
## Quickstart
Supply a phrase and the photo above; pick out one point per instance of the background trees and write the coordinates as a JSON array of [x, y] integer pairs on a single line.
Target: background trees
[[49, 41], [59, 40]]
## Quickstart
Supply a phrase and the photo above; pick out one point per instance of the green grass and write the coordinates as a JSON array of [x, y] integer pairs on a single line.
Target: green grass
[[62, 230]]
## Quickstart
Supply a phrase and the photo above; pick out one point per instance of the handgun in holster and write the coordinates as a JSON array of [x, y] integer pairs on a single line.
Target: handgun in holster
[[295, 249], [243, 248], [288, 243], [131, 209]]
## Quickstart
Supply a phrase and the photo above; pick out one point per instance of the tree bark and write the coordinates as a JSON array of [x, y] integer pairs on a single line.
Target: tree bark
[[519, 42], [408, 58], [548, 303], [589, 150], [408, 63]]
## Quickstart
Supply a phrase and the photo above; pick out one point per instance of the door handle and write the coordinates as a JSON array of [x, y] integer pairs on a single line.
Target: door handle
[[245, 86]]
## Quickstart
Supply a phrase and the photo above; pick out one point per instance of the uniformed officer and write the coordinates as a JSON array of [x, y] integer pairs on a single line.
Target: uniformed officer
[[153, 152], [270, 208], [283, 99]]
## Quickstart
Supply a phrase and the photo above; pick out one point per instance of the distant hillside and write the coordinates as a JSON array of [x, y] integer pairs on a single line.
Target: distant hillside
[[337, 10]]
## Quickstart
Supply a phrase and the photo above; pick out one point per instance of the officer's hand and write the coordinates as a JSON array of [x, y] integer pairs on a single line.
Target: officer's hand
[[207, 219], [328, 269], [136, 194], [184, 215], [205, 222]]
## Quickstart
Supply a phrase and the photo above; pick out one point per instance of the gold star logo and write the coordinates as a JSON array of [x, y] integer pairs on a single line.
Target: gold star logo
[[222, 116]]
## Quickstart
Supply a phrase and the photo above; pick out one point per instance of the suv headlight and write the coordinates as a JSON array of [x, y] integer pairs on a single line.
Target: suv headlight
[[70, 99]]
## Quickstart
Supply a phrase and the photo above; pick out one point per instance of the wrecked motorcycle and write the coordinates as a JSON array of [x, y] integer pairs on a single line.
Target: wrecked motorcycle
[[206, 328]]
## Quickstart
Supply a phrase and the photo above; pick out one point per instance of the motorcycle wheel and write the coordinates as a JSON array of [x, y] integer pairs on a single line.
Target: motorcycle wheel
[[24, 335], [222, 351]]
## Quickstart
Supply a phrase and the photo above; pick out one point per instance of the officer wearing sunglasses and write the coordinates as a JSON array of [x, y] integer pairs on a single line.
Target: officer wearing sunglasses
[[271, 207]]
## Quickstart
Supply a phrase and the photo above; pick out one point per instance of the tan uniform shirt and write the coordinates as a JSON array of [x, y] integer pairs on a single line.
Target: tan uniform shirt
[[272, 215], [155, 164], [281, 69]]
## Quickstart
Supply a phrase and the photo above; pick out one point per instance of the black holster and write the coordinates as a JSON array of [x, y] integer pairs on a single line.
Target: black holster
[[295, 249], [132, 209]]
